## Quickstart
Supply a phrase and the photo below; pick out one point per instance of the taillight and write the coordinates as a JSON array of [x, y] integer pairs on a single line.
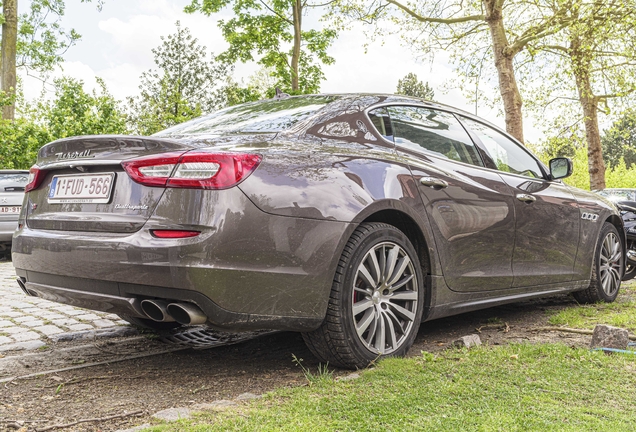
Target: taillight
[[196, 170], [36, 176]]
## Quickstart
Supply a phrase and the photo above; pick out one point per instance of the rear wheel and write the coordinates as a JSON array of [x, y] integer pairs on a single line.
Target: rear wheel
[[150, 324], [606, 269], [376, 300]]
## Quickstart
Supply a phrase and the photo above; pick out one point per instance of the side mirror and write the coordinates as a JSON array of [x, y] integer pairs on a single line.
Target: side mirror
[[560, 168]]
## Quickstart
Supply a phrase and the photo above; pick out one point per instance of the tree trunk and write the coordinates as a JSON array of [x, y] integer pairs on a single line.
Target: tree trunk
[[9, 44], [505, 69], [581, 65], [298, 15]]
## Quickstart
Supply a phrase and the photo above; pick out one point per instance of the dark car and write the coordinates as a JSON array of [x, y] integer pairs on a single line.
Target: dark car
[[12, 183], [349, 218], [625, 200]]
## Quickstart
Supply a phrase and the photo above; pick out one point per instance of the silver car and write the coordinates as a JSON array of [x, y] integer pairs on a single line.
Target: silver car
[[12, 183]]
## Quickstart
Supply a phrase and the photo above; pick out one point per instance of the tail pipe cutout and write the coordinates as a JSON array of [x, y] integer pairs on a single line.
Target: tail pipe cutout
[[183, 313]]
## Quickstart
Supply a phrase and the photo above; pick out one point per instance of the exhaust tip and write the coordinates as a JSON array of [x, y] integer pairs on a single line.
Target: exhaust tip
[[22, 284], [187, 313], [156, 310]]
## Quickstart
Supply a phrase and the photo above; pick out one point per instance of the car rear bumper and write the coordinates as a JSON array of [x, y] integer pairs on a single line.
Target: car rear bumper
[[253, 271]]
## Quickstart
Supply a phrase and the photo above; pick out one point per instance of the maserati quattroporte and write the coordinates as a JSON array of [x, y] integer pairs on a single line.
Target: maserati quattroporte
[[349, 218]]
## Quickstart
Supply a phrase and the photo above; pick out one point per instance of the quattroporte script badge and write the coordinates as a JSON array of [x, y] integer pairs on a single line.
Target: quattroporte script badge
[[130, 207]]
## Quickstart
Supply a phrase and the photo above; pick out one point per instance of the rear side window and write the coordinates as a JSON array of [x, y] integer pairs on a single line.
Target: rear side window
[[13, 182], [436, 132], [380, 119], [507, 155]]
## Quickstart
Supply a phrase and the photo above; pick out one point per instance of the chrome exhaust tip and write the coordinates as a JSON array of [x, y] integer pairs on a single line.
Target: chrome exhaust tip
[[23, 287], [156, 310], [187, 313], [631, 257]]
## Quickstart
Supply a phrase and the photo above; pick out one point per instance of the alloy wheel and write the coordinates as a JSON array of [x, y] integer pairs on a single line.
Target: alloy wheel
[[384, 298], [610, 264]]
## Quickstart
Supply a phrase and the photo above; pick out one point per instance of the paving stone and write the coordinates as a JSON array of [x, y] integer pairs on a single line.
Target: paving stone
[[72, 312], [64, 322], [14, 314], [87, 317], [136, 428], [32, 324], [5, 340], [173, 414], [103, 323], [26, 336], [218, 405], [80, 327], [26, 319], [6, 323], [248, 396], [49, 330], [14, 330], [29, 345], [46, 314]]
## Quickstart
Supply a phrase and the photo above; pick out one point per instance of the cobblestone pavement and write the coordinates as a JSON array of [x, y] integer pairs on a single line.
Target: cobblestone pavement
[[30, 322]]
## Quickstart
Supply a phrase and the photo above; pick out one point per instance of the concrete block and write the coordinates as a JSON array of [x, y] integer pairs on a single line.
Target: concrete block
[[606, 336], [467, 341]]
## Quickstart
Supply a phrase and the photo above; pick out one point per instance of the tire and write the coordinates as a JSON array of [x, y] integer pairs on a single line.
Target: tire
[[388, 312], [606, 269], [149, 324], [630, 273]]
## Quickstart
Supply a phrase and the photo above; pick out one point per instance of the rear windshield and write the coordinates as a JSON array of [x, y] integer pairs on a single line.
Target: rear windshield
[[13, 182], [256, 117]]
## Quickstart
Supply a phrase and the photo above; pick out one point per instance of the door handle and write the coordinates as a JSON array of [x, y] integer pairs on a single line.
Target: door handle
[[526, 198], [433, 182]]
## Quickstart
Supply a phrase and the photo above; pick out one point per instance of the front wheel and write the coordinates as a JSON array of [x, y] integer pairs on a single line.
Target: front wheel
[[606, 269], [376, 301]]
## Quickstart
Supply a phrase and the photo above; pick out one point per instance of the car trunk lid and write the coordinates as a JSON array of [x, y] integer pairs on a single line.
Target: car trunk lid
[[85, 188]]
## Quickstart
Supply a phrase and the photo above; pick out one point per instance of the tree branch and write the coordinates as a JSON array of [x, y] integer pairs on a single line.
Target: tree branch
[[421, 18], [276, 13]]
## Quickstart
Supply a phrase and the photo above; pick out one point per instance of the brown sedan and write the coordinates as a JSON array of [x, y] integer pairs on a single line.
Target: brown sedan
[[350, 218]]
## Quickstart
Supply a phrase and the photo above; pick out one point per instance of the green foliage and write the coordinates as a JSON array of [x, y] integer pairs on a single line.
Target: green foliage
[[619, 141], [264, 31], [185, 85], [20, 141], [71, 112], [411, 86], [41, 39], [74, 112], [621, 313], [260, 85], [516, 387]]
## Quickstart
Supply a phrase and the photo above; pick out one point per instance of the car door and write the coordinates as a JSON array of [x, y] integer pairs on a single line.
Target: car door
[[470, 208], [547, 214]]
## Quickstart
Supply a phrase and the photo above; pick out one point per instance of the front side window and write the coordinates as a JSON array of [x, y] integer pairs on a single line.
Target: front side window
[[436, 132], [507, 155]]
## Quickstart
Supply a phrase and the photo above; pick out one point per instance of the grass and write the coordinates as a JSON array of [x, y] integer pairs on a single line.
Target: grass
[[621, 313], [516, 387]]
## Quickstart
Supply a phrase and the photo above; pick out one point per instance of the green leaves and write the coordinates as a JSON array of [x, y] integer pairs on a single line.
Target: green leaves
[[411, 86], [271, 32], [184, 85]]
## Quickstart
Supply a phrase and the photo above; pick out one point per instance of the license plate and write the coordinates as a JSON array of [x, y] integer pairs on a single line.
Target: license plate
[[10, 209], [83, 188]]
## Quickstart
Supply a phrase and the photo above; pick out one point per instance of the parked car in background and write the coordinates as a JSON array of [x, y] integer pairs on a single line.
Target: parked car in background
[[12, 183], [625, 200], [349, 218]]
